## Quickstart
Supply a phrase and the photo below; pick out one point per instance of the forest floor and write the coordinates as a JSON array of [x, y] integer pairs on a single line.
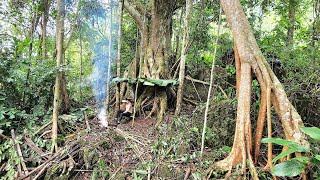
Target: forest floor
[[134, 150], [130, 150]]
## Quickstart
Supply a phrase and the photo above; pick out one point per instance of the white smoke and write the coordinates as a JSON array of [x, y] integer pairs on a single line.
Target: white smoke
[[103, 117]]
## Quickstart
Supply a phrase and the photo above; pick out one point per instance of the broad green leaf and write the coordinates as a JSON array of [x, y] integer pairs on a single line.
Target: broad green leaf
[[292, 145], [163, 82], [278, 141], [141, 80], [168, 82], [283, 154], [313, 132], [147, 83], [156, 81], [317, 157], [288, 168], [118, 79]]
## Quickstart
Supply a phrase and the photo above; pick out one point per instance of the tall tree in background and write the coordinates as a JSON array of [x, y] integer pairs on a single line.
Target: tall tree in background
[[44, 21], [58, 83], [120, 13], [251, 58], [292, 8], [34, 24], [183, 56], [154, 22], [109, 61]]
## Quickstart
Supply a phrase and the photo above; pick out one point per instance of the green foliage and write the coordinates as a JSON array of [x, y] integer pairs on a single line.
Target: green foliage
[[290, 144], [294, 166], [100, 170], [288, 168], [9, 156], [313, 132]]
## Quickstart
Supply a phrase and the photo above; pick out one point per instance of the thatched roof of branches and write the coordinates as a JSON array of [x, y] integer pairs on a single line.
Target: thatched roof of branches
[[147, 82]]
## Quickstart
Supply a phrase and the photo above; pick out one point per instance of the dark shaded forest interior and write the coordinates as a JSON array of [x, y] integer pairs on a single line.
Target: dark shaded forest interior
[[223, 89]]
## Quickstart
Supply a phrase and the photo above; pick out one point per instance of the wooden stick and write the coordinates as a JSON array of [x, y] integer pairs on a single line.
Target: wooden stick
[[14, 145], [149, 173], [34, 147], [25, 170], [196, 91], [41, 128], [196, 80], [206, 83], [115, 173], [41, 171], [88, 170], [2, 167], [186, 176], [41, 166], [210, 87], [190, 101], [210, 173], [46, 132]]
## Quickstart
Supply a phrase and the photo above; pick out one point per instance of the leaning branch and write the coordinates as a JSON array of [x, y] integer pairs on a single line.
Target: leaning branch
[[196, 80], [134, 13]]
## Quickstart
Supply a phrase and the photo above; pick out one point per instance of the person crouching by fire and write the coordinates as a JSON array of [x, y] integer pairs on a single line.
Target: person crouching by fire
[[125, 110]]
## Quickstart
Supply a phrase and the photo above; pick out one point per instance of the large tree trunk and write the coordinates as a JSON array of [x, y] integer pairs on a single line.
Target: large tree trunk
[[59, 79], [183, 57], [251, 57], [154, 23]]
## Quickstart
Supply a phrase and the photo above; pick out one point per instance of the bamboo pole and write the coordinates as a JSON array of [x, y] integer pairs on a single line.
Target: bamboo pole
[[210, 87]]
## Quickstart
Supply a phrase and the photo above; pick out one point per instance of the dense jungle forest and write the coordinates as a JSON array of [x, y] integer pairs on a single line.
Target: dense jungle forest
[[160, 89]]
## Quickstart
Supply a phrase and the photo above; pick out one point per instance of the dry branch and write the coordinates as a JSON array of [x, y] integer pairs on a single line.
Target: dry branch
[[186, 176], [41, 128], [34, 147], [18, 149]]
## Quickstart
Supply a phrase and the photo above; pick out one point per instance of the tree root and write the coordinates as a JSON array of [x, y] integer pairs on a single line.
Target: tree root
[[154, 107]]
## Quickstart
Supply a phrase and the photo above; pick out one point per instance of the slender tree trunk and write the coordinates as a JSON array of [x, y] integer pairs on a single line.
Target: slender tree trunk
[[291, 18], [34, 24], [183, 57], [44, 21], [120, 11], [210, 86], [59, 46], [178, 35], [64, 91], [251, 57], [109, 64], [81, 69]]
